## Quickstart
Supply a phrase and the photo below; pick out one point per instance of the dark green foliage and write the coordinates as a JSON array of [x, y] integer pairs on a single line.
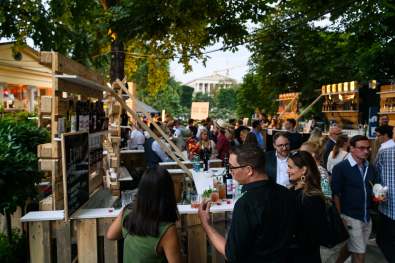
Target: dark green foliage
[[14, 251], [19, 173], [186, 96], [291, 53]]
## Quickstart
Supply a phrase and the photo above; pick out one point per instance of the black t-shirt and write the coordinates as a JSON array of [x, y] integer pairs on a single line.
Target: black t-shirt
[[262, 224]]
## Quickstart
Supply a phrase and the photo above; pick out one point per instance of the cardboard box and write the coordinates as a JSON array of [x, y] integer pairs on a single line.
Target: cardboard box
[[46, 104], [44, 150]]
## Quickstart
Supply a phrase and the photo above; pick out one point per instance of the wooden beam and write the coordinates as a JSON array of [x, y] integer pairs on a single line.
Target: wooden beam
[[63, 241], [63, 65], [197, 240], [309, 107], [110, 246], [40, 242], [176, 149], [146, 128], [87, 241]]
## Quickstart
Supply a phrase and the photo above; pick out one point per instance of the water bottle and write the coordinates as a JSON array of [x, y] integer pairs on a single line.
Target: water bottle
[[196, 163]]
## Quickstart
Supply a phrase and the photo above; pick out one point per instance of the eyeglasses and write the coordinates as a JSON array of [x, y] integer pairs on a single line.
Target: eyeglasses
[[286, 145], [237, 167], [363, 148]]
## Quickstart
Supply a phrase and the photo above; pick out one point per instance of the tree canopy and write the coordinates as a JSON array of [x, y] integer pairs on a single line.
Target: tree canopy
[[291, 51]]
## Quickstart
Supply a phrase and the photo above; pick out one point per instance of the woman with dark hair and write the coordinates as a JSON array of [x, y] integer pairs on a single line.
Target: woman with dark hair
[[148, 225], [250, 138], [339, 152], [310, 206]]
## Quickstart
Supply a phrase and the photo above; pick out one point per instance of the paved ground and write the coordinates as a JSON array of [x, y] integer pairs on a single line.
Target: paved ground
[[373, 255]]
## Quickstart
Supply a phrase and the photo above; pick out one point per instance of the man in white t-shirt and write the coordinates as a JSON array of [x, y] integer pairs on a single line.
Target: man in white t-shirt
[[384, 136], [137, 137]]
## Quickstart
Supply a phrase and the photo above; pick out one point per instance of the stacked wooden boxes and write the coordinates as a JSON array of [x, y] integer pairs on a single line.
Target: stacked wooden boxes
[[113, 141], [52, 108]]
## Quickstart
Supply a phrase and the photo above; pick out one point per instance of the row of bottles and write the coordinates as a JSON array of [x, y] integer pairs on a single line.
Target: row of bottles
[[83, 116], [340, 105], [389, 105]]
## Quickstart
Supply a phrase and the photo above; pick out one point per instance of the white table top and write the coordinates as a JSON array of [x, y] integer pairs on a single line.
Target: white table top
[[224, 207], [43, 216], [112, 213], [96, 213], [132, 151], [216, 171], [173, 163]]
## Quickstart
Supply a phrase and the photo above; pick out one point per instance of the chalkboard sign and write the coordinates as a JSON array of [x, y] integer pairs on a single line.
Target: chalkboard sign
[[75, 163]]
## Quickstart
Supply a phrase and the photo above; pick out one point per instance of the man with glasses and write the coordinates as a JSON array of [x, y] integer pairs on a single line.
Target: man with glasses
[[352, 181], [277, 160], [262, 220]]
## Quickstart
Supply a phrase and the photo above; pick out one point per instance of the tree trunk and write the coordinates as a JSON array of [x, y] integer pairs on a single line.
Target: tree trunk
[[117, 61]]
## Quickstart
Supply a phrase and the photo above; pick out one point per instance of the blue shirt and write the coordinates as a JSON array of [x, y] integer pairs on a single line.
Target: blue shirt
[[259, 138], [386, 168], [353, 185]]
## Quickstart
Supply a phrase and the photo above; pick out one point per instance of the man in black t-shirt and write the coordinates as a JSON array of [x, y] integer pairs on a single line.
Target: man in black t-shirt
[[262, 221]]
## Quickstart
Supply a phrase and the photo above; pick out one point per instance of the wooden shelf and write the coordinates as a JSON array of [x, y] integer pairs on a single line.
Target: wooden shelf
[[351, 111], [343, 92], [386, 112], [386, 92], [286, 99]]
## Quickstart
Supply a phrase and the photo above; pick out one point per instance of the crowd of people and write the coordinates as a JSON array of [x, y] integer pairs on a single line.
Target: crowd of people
[[281, 214]]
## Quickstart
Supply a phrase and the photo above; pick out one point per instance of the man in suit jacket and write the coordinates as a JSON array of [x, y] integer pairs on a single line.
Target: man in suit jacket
[[277, 160], [334, 131]]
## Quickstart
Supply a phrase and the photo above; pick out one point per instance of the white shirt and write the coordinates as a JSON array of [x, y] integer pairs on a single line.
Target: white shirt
[[388, 144], [137, 138], [333, 161], [282, 177], [177, 132], [162, 155]]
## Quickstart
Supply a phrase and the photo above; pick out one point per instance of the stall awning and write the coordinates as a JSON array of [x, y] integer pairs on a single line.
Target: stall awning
[[141, 107]]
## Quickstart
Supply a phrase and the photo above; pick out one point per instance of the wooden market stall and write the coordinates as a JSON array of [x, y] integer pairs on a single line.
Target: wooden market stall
[[387, 102], [22, 78], [288, 105], [349, 104]]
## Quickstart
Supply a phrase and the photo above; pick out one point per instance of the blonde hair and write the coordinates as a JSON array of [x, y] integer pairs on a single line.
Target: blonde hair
[[314, 148]]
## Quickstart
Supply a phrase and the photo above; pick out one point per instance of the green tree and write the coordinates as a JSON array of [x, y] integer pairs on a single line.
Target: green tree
[[186, 96], [18, 163], [224, 103], [97, 33], [291, 53]]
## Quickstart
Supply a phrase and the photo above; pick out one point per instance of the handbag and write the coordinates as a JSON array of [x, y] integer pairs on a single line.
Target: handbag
[[334, 230]]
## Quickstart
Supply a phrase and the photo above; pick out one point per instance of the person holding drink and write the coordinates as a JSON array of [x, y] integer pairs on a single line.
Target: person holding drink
[[262, 220]]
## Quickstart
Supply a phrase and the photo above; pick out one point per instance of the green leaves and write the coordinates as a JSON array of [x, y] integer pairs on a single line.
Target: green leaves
[[19, 173]]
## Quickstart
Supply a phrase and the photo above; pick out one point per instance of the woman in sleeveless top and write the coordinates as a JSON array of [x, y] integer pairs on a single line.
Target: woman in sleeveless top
[[148, 225], [206, 146]]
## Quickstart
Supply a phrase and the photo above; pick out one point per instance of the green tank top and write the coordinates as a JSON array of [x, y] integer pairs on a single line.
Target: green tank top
[[142, 249]]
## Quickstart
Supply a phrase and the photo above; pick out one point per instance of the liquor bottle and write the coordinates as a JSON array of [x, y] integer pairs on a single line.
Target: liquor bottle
[[206, 157], [228, 180], [97, 116], [77, 115], [73, 116], [68, 117]]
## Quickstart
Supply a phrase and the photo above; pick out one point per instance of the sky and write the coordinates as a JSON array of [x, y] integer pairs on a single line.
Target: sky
[[220, 61]]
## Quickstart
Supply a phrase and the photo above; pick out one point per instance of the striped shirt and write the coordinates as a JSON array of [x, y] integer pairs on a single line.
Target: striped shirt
[[386, 168]]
